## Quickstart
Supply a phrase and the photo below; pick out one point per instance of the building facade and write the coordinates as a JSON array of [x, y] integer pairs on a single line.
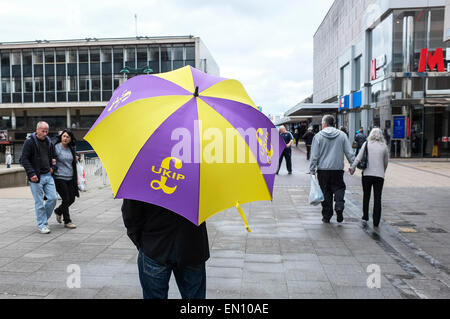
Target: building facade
[[387, 65], [67, 83]]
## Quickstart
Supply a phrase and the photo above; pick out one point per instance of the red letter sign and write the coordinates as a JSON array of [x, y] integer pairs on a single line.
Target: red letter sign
[[436, 59]]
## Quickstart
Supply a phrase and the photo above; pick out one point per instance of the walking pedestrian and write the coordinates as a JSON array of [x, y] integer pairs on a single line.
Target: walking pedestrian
[[66, 176], [344, 129], [8, 160], [327, 159], [38, 159], [308, 137], [373, 174], [360, 138], [167, 243], [287, 152]]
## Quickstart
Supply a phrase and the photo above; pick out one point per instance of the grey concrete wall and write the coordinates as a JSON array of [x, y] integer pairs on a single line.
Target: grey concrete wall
[[12, 177]]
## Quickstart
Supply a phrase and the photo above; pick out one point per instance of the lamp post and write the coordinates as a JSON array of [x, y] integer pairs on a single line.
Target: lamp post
[[124, 72]]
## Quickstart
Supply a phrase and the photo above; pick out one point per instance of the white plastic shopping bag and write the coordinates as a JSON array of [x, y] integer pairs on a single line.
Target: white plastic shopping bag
[[81, 177], [315, 193]]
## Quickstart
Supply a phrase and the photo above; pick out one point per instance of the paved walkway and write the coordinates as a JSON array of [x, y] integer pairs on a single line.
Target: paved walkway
[[289, 254]]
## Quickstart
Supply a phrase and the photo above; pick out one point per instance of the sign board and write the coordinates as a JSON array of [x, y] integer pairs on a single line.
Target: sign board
[[4, 135], [399, 127], [445, 139], [434, 60]]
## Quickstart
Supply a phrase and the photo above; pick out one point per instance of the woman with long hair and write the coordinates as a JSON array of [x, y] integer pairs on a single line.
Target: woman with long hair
[[66, 176], [374, 173]]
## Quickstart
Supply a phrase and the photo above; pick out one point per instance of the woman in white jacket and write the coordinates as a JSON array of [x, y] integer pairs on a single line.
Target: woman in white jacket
[[373, 174]]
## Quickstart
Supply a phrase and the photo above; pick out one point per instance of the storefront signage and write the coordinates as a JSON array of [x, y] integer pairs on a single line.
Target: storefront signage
[[375, 67], [445, 139], [399, 127], [344, 102], [356, 99], [434, 60]]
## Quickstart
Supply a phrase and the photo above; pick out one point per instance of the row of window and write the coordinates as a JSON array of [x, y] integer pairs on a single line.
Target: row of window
[[133, 55], [55, 122], [93, 78]]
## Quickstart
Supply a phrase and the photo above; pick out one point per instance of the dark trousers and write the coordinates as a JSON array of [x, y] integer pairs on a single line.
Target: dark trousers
[[66, 191], [287, 154], [154, 278], [377, 183], [308, 152], [332, 183]]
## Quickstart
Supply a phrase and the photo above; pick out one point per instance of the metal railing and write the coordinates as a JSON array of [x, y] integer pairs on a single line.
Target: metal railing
[[95, 173]]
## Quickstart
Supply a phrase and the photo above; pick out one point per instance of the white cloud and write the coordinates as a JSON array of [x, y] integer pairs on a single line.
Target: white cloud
[[267, 45]]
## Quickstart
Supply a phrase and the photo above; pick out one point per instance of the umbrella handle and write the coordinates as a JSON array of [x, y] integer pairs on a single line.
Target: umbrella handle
[[239, 208]]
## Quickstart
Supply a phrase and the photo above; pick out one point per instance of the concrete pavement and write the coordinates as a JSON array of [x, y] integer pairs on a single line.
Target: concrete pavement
[[288, 254]]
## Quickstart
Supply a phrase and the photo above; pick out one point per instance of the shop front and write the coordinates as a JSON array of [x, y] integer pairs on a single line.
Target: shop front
[[410, 82]]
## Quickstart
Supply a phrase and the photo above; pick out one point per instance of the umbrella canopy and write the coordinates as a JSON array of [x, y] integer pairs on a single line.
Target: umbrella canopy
[[190, 142]]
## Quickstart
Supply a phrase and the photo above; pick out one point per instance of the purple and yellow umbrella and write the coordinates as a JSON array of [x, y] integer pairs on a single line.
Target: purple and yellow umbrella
[[193, 143]]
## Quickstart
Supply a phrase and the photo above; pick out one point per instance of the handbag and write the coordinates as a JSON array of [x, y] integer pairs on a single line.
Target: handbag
[[315, 193], [365, 159]]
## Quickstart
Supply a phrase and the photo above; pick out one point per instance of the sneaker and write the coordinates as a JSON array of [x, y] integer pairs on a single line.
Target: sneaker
[[70, 225], [325, 220], [340, 217], [44, 230], [58, 218]]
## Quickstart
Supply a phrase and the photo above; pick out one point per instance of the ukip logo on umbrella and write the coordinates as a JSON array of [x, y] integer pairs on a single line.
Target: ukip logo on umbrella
[[165, 172], [190, 142]]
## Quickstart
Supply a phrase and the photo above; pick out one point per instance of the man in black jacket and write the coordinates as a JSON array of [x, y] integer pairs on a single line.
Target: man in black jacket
[[308, 137], [167, 242], [360, 138], [38, 159]]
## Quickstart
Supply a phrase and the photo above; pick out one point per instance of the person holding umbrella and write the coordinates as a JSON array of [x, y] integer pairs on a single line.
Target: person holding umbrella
[[167, 243], [170, 186]]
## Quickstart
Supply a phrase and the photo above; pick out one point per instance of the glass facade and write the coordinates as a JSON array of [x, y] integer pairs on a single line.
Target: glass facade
[[79, 74], [400, 89]]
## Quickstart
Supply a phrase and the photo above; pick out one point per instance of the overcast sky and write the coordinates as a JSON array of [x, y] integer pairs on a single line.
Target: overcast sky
[[265, 44]]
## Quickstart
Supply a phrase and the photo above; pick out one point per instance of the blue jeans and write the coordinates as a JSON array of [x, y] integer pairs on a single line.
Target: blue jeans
[[46, 186], [154, 277]]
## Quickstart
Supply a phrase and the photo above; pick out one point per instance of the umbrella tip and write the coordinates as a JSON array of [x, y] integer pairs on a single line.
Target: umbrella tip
[[196, 91]]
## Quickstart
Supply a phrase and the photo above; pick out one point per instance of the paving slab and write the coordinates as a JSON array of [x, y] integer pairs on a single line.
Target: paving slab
[[290, 253]]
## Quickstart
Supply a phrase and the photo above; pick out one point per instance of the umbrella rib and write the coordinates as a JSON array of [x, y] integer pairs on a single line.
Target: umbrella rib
[[225, 119]]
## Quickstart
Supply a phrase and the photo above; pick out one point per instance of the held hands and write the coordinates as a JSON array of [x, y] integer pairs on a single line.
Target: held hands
[[351, 171]]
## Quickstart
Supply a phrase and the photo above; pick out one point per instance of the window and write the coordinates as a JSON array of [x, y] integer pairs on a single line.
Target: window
[[6, 86], [166, 64], [190, 53], [345, 80], [130, 57], [49, 56], [358, 74], [141, 57], [95, 55], [381, 42]]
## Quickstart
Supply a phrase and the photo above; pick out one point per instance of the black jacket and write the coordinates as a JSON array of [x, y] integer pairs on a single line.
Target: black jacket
[[31, 156], [308, 137], [158, 231], [360, 138], [74, 167]]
